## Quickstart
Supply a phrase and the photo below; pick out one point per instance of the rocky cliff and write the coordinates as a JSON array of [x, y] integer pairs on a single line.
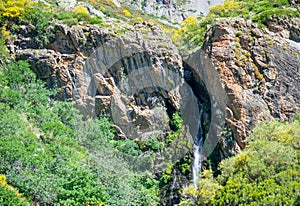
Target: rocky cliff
[[80, 52], [170, 112], [242, 75], [259, 70]]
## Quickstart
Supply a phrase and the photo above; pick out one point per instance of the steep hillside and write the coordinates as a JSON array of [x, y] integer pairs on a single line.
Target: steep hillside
[[116, 103]]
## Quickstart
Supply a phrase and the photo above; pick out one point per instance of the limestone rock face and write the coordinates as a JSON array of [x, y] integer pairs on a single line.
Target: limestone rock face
[[135, 79], [131, 79], [173, 10], [259, 70]]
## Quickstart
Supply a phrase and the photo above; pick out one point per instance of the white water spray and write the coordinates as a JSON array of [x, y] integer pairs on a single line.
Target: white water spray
[[197, 164]]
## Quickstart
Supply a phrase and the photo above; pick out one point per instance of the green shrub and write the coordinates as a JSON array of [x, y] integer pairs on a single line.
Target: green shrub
[[9, 197], [128, 147], [81, 186], [166, 175], [3, 50], [112, 170], [154, 144], [71, 18], [40, 19], [176, 121], [296, 118], [37, 147], [265, 173]]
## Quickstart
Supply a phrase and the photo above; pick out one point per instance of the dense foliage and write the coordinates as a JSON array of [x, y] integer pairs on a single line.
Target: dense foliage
[[267, 172], [52, 157], [14, 13]]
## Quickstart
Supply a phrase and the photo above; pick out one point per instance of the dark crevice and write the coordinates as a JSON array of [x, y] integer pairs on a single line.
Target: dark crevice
[[201, 93], [199, 90], [197, 85]]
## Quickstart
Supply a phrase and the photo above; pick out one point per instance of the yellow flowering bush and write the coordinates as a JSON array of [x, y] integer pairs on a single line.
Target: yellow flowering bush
[[139, 19], [5, 34], [14, 8], [189, 21], [4, 184], [187, 26], [13, 11], [126, 13], [3, 181], [226, 7], [102, 8], [80, 9], [206, 190], [242, 159]]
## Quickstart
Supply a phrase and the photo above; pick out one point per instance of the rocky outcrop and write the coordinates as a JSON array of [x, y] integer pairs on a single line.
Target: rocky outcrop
[[173, 10], [90, 65], [296, 3], [259, 70]]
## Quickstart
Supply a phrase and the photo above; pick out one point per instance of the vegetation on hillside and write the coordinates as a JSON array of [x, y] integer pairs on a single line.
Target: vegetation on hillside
[[50, 156], [267, 172], [191, 33]]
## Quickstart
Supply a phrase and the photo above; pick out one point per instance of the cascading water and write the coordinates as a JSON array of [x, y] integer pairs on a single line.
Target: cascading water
[[202, 99], [198, 142]]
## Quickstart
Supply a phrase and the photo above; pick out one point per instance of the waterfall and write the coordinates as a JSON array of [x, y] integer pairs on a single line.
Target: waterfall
[[198, 142]]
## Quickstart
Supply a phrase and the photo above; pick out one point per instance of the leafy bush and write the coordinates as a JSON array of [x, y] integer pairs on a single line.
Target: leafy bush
[[176, 121], [154, 144], [40, 18], [72, 18], [265, 173], [80, 9], [37, 148], [3, 49], [126, 13], [205, 192], [128, 147], [9, 196], [112, 170], [296, 118], [282, 132]]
